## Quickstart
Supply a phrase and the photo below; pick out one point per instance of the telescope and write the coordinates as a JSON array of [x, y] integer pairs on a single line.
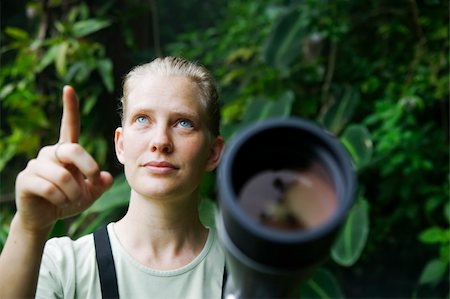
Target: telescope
[[285, 186]]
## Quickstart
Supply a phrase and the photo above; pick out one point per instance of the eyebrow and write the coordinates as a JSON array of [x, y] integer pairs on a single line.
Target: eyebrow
[[178, 112]]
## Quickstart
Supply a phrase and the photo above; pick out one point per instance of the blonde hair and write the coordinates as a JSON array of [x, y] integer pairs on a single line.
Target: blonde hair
[[176, 66]]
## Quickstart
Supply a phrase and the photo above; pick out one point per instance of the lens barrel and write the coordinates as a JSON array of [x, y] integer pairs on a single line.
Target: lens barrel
[[263, 252]]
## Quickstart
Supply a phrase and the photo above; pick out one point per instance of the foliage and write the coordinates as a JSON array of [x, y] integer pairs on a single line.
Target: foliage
[[35, 67]]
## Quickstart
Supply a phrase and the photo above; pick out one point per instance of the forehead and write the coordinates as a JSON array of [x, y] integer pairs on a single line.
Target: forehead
[[169, 92]]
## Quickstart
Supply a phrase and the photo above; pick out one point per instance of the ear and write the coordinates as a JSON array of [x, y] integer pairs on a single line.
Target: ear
[[215, 153], [118, 142]]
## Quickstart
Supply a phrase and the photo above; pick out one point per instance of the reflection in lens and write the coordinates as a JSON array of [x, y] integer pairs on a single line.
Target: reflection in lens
[[290, 199]]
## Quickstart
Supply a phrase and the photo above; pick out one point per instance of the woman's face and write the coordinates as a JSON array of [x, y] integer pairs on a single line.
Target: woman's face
[[165, 144]]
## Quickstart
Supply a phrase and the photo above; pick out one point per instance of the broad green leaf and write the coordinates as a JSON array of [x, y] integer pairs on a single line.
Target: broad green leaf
[[433, 272], [62, 28], [283, 106], [321, 285], [49, 57], [283, 46], [434, 235], [58, 229], [17, 33], [61, 65], [339, 113], [357, 141], [6, 90], [86, 27], [74, 68], [105, 68], [207, 211], [352, 239], [261, 109], [117, 196], [89, 103], [255, 110]]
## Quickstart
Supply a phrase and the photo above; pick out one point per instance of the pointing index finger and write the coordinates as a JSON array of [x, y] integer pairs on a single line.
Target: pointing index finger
[[70, 122]]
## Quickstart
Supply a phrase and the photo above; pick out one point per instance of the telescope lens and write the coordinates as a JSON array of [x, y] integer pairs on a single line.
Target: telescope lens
[[285, 186], [294, 199]]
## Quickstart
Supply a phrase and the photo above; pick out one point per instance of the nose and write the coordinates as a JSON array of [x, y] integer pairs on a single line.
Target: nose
[[161, 141]]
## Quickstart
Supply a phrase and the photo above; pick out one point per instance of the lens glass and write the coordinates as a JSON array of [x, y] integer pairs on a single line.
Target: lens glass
[[290, 199]]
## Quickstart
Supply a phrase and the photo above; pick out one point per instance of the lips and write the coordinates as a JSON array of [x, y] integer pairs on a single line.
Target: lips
[[160, 167]]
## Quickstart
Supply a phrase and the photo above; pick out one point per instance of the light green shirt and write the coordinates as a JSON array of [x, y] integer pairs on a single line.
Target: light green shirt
[[69, 270]]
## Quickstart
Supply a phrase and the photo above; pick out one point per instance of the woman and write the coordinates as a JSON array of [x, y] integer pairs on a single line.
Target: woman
[[169, 137]]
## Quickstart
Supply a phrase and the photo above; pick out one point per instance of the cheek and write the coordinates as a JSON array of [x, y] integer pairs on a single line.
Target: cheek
[[132, 145], [195, 151]]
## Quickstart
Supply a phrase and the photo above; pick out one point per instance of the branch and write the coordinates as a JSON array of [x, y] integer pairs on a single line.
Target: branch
[[155, 28], [329, 76], [415, 14]]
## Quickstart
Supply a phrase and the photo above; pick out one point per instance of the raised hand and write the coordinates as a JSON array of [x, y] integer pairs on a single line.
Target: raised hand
[[63, 180]]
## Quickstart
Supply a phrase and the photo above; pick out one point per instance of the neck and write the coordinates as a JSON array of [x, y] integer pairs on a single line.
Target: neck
[[162, 234]]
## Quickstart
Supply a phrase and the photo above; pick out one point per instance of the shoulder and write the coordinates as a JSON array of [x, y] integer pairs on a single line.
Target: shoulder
[[215, 242], [68, 269], [215, 256], [62, 247]]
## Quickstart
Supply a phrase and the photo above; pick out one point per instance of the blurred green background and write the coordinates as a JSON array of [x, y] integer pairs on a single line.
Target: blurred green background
[[375, 73]]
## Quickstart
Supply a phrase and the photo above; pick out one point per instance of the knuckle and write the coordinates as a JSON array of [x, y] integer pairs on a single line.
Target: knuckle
[[65, 176], [21, 177], [31, 164], [75, 149], [50, 191], [93, 170], [45, 151]]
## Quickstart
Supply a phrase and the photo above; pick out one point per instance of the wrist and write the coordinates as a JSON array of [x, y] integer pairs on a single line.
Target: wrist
[[19, 228]]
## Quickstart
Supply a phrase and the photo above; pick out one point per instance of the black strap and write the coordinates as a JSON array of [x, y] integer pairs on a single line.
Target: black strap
[[224, 280], [105, 263]]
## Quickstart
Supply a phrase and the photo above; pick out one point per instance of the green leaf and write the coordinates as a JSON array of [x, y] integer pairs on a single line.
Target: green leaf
[[105, 68], [117, 196], [337, 115], [433, 272], [261, 109], [283, 106], [434, 235], [447, 211], [357, 141], [6, 90], [89, 103], [60, 61], [283, 46], [349, 245], [86, 27], [207, 211], [49, 57], [321, 285], [17, 33], [58, 229]]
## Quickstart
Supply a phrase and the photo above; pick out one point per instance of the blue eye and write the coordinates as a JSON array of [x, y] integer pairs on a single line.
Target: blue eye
[[141, 119], [185, 123]]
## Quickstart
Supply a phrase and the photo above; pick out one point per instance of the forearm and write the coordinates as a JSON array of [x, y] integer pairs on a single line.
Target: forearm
[[20, 261]]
